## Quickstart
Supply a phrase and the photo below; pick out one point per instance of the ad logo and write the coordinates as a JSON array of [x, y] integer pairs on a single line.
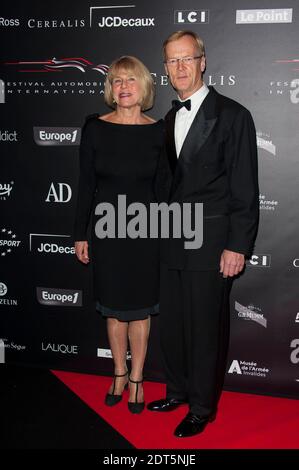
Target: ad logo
[[61, 194]]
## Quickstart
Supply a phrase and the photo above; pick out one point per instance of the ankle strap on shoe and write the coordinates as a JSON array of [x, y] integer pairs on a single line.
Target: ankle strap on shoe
[[121, 375], [135, 381]]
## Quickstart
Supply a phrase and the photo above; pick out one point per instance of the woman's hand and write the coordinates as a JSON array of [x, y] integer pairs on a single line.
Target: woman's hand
[[81, 250]]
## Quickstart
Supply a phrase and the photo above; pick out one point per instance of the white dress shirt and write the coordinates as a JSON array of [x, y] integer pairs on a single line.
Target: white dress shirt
[[184, 118]]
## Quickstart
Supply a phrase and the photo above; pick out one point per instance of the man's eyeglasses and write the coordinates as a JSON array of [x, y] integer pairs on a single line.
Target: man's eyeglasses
[[183, 60]]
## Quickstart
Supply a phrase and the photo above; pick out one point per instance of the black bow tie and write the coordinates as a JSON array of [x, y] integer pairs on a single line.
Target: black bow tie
[[180, 104]]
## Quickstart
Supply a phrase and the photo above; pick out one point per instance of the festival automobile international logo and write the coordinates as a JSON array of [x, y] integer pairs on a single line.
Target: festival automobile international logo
[[75, 77], [57, 135], [58, 65], [286, 85], [118, 16]]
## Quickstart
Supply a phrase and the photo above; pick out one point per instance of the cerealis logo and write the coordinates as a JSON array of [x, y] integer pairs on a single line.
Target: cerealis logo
[[57, 135], [117, 16]]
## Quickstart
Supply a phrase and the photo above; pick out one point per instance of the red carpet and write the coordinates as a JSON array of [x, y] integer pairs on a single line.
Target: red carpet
[[243, 422]]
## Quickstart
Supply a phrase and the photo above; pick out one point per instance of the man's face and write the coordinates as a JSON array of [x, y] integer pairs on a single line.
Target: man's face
[[185, 78]]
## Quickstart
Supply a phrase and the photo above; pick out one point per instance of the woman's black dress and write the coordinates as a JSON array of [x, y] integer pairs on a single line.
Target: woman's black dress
[[120, 159]]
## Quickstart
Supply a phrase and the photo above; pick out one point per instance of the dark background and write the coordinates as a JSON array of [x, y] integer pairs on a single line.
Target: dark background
[[242, 63]]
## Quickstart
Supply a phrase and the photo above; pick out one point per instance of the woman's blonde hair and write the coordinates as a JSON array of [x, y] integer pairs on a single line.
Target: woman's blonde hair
[[134, 66]]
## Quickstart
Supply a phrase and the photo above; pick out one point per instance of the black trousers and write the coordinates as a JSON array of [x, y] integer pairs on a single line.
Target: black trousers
[[194, 325]]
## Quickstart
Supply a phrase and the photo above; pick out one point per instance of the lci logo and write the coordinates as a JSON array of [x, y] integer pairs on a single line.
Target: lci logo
[[191, 17], [258, 260]]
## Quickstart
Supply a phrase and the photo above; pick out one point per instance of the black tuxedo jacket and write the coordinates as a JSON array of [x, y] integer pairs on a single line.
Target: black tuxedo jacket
[[217, 166]]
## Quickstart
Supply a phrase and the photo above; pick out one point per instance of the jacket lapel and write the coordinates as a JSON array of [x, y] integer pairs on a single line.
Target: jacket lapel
[[170, 142], [199, 132]]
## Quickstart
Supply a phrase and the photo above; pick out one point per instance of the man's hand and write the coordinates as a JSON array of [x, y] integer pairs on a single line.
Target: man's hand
[[81, 249], [231, 263]]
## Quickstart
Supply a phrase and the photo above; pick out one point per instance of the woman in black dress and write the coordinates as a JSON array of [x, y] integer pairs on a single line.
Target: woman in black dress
[[120, 154]]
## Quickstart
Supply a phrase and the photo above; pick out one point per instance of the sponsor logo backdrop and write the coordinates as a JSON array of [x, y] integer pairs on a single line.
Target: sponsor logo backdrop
[[52, 70]]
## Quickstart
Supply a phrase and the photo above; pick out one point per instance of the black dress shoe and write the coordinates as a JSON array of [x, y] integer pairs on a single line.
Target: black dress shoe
[[136, 407], [192, 424], [165, 404], [111, 399]]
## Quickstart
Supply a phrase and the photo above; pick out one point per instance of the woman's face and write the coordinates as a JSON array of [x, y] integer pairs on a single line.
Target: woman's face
[[126, 89]]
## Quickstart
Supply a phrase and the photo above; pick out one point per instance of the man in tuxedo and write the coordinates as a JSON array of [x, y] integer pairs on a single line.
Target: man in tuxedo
[[211, 148]]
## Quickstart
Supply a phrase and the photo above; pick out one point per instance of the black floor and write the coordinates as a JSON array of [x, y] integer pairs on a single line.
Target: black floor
[[37, 411]]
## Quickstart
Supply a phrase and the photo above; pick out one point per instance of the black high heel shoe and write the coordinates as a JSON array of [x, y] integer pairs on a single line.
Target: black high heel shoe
[[136, 407], [111, 399]]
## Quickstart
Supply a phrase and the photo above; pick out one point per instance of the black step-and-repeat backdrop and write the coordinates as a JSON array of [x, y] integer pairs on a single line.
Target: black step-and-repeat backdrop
[[54, 58]]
